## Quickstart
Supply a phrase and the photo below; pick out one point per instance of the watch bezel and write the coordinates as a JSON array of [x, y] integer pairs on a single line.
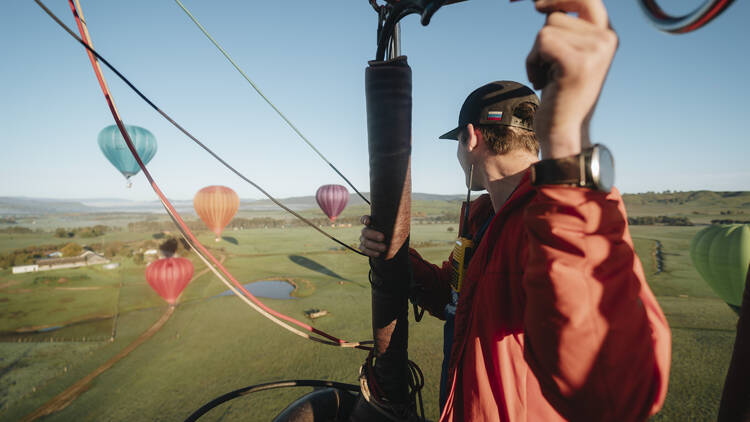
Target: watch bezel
[[596, 167]]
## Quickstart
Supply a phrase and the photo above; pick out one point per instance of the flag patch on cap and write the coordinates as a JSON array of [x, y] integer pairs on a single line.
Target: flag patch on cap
[[494, 115]]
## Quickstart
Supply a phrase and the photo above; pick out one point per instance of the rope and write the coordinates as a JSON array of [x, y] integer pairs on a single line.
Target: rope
[[260, 308], [93, 55], [699, 17], [372, 393], [203, 253], [255, 87]]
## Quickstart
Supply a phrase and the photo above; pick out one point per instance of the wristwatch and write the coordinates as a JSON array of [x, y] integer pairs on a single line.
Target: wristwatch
[[593, 168]]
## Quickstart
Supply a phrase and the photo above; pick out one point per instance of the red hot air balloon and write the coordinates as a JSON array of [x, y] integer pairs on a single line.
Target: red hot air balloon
[[216, 205], [332, 200], [169, 276]]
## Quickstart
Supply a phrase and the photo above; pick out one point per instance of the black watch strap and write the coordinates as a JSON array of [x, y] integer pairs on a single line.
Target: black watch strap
[[559, 171]]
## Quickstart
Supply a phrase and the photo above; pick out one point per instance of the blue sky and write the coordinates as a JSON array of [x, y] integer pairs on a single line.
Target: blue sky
[[673, 110]]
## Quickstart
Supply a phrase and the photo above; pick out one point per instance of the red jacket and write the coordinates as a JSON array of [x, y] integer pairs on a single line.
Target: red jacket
[[432, 281], [555, 319]]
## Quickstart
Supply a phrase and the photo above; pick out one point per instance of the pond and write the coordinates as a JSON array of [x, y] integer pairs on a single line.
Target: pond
[[272, 289]]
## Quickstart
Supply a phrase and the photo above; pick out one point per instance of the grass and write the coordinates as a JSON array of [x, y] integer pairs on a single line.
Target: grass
[[703, 326], [11, 242], [211, 346], [217, 340], [41, 300], [700, 206]]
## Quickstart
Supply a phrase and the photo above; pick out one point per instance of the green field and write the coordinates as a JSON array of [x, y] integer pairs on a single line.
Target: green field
[[212, 345], [703, 326]]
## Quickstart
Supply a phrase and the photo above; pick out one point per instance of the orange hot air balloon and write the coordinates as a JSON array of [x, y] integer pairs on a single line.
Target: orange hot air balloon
[[169, 276], [216, 205]]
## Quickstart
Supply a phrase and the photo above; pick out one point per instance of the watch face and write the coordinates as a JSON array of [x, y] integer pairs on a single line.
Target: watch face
[[603, 168]]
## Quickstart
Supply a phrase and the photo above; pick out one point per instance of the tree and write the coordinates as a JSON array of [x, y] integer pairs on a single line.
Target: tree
[[138, 258], [61, 232], [71, 249], [169, 247], [112, 249]]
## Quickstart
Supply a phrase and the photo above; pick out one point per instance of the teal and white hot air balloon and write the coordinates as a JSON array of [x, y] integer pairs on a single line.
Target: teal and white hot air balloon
[[721, 254], [117, 152]]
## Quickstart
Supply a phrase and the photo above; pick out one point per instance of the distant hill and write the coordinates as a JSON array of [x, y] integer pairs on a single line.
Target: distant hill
[[702, 198], [42, 206], [17, 205], [649, 203], [24, 206], [305, 202]]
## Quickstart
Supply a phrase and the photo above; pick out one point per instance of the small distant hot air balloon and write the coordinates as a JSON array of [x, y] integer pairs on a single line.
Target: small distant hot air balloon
[[169, 276], [117, 152], [216, 205], [332, 200], [721, 254]]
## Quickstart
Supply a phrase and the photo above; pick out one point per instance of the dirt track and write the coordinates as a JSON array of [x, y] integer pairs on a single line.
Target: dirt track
[[62, 400]]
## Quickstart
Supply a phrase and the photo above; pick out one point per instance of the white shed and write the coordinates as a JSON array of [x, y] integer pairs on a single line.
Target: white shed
[[25, 269]]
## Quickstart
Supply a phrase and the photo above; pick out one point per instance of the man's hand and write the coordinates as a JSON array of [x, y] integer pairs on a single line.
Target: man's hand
[[371, 242], [569, 62]]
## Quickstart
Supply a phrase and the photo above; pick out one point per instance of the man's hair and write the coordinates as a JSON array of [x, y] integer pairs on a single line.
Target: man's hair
[[503, 139]]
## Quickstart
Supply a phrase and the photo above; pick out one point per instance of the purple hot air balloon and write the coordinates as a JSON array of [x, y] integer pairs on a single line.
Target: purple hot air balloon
[[332, 200]]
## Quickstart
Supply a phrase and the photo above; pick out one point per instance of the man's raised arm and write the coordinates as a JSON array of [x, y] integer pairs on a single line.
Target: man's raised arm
[[595, 336]]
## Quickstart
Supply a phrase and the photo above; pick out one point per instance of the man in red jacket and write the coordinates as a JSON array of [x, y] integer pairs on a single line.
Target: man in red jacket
[[555, 320], [515, 147]]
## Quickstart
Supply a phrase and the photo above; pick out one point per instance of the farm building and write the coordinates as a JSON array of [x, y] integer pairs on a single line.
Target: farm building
[[82, 260], [25, 269]]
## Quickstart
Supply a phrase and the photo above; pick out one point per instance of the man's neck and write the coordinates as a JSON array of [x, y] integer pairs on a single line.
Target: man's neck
[[503, 173]]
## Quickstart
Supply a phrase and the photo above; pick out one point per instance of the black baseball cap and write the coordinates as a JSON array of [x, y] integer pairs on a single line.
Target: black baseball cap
[[494, 104]]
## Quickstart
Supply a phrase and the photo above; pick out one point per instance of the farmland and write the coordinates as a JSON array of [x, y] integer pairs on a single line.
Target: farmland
[[58, 326]]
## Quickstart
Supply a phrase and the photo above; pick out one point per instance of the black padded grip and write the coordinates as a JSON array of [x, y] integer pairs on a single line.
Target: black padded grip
[[388, 90]]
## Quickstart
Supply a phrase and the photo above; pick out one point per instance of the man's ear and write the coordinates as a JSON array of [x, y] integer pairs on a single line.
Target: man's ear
[[472, 139]]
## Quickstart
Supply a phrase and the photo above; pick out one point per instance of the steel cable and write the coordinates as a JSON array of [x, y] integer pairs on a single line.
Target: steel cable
[[202, 252], [255, 87], [93, 52]]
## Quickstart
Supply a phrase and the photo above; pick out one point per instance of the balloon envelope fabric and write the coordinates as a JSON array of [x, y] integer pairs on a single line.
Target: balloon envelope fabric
[[332, 200], [117, 152], [216, 206], [169, 276], [721, 254]]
